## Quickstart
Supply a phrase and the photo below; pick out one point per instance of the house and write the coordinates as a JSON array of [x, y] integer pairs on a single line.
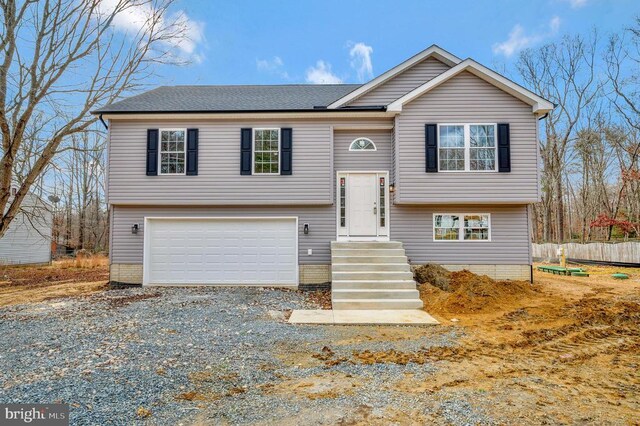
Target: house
[[28, 238], [436, 160]]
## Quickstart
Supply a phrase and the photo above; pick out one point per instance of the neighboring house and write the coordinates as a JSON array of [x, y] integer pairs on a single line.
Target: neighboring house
[[28, 238], [252, 184]]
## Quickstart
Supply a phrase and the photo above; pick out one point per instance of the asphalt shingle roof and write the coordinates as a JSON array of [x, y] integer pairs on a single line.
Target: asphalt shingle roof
[[231, 98]]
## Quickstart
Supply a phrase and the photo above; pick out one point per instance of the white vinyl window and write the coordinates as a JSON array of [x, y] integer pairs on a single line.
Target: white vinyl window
[[362, 144], [462, 227], [266, 151], [172, 151], [467, 147]]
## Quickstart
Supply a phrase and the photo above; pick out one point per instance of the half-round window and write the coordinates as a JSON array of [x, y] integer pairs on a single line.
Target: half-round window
[[362, 144]]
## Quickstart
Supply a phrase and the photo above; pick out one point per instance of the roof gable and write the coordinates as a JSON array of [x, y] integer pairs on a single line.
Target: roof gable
[[538, 104], [402, 83], [431, 52]]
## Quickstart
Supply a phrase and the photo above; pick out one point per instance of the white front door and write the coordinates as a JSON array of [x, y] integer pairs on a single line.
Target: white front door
[[362, 206]]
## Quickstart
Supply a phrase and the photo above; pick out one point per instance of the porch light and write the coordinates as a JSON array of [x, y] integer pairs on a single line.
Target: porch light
[[134, 228], [392, 187], [305, 228]]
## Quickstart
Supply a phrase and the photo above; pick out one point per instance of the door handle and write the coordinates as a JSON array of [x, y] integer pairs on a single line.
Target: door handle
[[375, 210]]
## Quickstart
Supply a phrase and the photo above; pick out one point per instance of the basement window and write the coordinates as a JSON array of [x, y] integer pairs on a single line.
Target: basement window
[[462, 227]]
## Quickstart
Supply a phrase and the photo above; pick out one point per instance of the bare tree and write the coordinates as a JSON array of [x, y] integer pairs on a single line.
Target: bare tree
[[622, 58], [564, 73], [59, 59]]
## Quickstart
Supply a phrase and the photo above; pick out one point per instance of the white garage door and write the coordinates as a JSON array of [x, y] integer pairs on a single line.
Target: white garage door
[[221, 251]]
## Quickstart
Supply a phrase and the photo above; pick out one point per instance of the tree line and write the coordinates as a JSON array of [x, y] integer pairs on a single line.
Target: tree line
[[590, 142]]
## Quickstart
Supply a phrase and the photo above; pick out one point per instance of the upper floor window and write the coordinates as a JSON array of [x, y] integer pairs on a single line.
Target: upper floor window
[[266, 151], [362, 144], [467, 147], [172, 151]]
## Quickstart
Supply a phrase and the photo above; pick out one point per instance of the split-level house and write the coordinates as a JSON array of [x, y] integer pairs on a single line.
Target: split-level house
[[434, 161]]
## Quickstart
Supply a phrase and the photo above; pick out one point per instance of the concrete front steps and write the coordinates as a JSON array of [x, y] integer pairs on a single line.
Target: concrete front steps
[[372, 275]]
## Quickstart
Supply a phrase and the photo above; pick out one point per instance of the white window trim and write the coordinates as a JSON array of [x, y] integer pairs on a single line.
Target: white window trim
[[160, 152], [461, 227], [467, 147], [253, 151], [351, 149]]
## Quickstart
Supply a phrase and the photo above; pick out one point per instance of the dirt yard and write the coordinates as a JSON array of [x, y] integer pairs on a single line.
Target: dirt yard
[[566, 350], [63, 278]]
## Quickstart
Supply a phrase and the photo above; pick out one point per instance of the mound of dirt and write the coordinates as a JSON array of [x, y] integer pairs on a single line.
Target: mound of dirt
[[432, 274], [467, 292]]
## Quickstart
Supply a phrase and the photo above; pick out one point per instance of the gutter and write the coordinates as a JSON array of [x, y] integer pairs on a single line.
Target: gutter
[[245, 111]]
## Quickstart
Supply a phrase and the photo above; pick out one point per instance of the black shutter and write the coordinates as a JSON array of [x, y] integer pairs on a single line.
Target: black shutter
[[504, 148], [431, 147], [192, 152], [245, 151], [286, 162], [152, 152]]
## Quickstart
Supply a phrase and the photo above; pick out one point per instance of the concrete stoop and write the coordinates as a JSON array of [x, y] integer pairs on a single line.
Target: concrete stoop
[[372, 275]]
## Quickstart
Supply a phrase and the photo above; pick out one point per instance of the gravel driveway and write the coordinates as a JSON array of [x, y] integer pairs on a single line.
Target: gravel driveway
[[212, 355]]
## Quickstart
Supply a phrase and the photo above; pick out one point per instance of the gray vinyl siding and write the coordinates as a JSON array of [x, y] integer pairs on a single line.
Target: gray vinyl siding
[[345, 160], [403, 83], [509, 245], [127, 248], [28, 238], [466, 99], [219, 181], [412, 225]]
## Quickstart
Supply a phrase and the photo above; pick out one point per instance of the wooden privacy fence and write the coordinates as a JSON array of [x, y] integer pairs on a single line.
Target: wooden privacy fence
[[628, 252]]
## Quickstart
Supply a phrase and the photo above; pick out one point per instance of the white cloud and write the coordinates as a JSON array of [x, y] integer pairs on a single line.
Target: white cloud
[[321, 74], [269, 65], [272, 66], [360, 55], [554, 25], [184, 35], [519, 40], [576, 4]]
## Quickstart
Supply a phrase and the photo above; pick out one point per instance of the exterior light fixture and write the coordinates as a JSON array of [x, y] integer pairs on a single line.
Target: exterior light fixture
[[134, 228], [392, 187], [305, 228]]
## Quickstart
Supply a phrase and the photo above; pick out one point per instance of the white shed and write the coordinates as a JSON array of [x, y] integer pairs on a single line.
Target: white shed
[[28, 239]]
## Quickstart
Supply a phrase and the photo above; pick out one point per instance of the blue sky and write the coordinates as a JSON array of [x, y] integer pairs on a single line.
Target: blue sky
[[300, 41]]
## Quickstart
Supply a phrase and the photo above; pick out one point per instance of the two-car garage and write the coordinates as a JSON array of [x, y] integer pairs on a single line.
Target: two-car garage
[[221, 250]]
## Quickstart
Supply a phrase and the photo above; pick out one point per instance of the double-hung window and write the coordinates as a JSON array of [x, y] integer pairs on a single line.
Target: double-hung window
[[461, 227], [266, 151], [467, 147], [172, 151]]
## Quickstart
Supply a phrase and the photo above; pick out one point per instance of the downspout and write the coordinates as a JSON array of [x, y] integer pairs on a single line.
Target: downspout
[[103, 122], [529, 216]]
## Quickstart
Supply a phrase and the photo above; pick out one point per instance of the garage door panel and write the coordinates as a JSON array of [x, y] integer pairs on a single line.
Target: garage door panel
[[221, 251]]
